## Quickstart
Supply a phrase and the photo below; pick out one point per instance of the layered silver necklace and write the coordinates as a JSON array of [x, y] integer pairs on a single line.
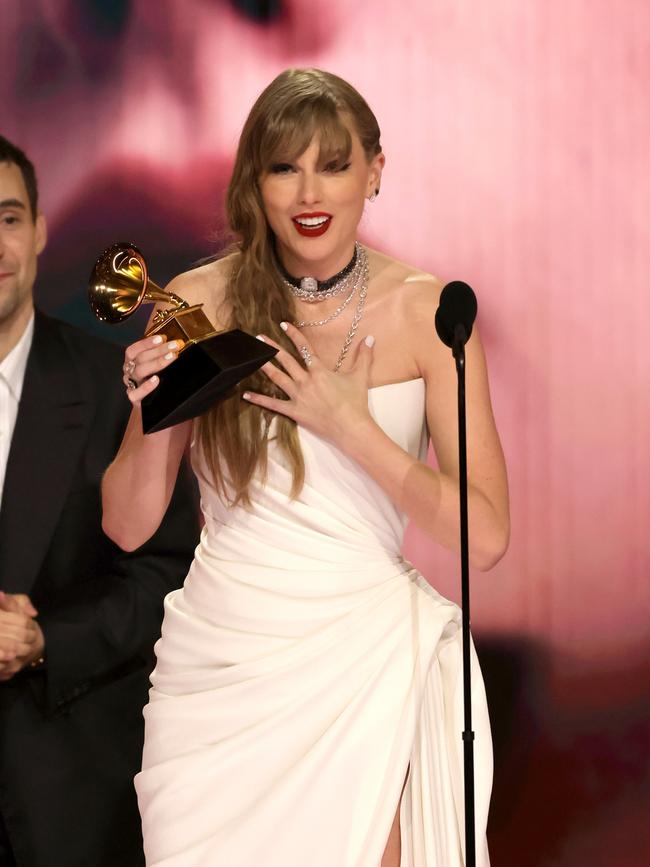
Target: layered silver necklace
[[353, 277], [312, 290]]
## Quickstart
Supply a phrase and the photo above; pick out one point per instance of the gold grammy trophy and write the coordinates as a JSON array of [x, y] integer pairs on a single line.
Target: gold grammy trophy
[[210, 363]]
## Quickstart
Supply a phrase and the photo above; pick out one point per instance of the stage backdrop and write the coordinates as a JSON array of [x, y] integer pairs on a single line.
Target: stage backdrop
[[517, 142]]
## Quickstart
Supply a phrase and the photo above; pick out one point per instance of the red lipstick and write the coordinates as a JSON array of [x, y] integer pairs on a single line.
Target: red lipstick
[[312, 225]]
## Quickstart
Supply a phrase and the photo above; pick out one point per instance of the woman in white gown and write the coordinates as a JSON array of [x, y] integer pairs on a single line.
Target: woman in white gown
[[306, 705]]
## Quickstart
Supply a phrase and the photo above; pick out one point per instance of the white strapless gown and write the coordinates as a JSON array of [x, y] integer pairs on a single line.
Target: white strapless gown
[[305, 670]]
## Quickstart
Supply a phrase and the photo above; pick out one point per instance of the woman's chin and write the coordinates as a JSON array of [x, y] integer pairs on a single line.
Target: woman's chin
[[324, 251]]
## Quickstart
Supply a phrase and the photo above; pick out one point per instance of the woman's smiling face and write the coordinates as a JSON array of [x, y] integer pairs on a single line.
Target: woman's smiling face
[[314, 206]]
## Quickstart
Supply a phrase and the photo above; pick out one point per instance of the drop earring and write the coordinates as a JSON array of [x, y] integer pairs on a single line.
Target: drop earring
[[374, 195]]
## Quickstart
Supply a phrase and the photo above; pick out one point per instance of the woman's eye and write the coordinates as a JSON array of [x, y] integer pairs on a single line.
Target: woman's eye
[[280, 168], [336, 167]]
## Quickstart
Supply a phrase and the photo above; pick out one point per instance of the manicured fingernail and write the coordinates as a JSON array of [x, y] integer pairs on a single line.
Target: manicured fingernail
[[261, 337], [370, 340], [157, 340], [174, 344], [246, 395], [154, 379], [169, 355], [284, 326]]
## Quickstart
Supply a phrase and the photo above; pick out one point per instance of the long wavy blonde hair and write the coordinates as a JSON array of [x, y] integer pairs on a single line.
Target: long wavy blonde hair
[[298, 105]]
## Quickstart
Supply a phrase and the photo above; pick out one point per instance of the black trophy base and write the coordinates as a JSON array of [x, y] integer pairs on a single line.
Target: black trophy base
[[202, 374]]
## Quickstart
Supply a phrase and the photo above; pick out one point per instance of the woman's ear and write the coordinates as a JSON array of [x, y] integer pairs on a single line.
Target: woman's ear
[[374, 178]]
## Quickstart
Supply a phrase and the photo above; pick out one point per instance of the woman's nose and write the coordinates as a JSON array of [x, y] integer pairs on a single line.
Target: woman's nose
[[310, 188]]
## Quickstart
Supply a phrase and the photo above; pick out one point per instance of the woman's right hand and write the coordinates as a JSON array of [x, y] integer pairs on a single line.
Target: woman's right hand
[[142, 361]]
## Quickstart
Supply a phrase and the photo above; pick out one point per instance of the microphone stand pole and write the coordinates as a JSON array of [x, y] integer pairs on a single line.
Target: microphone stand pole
[[458, 349]]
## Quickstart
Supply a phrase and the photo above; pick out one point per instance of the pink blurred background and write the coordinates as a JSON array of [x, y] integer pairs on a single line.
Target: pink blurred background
[[517, 137]]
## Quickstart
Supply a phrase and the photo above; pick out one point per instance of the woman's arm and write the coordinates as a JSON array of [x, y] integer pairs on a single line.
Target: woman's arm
[[138, 485], [430, 497], [335, 406]]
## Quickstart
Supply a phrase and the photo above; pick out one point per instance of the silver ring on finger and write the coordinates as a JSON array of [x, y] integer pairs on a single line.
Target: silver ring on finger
[[129, 367], [306, 355], [131, 383]]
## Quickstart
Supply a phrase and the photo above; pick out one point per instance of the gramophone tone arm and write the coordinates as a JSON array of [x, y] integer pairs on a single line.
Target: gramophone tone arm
[[180, 303]]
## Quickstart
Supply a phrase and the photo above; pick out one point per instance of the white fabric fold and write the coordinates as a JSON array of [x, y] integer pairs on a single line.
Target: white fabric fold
[[304, 672]]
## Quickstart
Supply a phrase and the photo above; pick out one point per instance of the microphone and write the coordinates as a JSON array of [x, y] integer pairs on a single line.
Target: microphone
[[456, 313], [454, 319]]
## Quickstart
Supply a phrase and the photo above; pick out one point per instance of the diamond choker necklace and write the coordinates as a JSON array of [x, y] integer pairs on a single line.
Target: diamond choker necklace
[[310, 289]]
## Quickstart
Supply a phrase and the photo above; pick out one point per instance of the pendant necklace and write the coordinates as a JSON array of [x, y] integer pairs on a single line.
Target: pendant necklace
[[355, 279], [312, 290], [358, 313], [354, 276]]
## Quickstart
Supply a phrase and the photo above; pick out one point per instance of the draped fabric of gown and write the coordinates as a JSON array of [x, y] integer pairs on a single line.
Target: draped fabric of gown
[[306, 675]]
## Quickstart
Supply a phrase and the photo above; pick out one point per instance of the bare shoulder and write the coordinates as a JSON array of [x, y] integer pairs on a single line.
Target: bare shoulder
[[205, 285], [401, 308], [405, 294], [397, 284]]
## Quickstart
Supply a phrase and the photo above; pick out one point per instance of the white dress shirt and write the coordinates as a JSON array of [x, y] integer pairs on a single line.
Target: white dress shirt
[[12, 375]]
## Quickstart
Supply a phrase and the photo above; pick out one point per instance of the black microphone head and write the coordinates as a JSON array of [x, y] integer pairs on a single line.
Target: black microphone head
[[457, 307]]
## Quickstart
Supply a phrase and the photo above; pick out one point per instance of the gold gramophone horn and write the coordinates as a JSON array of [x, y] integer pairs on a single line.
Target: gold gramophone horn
[[119, 284], [210, 363]]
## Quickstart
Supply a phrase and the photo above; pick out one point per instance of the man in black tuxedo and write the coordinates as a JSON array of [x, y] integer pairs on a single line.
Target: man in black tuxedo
[[78, 617]]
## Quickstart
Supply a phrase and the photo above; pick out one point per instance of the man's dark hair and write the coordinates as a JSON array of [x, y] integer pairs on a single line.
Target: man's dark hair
[[9, 153]]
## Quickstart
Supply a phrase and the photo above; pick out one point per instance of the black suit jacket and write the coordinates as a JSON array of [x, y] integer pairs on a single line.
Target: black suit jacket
[[71, 734]]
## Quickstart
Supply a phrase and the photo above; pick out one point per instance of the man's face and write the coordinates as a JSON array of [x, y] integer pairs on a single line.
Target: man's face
[[21, 240]]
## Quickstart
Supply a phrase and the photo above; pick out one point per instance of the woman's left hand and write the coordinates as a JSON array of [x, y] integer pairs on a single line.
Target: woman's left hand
[[329, 404]]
